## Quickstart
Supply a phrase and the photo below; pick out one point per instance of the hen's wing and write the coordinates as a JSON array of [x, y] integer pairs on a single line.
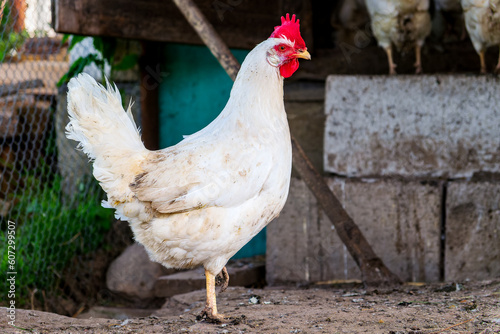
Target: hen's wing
[[193, 175]]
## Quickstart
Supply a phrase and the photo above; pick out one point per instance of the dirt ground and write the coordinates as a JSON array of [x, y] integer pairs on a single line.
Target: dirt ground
[[471, 307]]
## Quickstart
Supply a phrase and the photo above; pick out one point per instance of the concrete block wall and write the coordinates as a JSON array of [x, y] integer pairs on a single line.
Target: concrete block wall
[[400, 219], [412, 126], [415, 160], [472, 230]]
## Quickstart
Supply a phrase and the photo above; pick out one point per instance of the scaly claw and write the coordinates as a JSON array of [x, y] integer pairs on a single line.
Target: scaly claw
[[418, 60], [210, 316], [497, 69], [392, 66], [223, 280]]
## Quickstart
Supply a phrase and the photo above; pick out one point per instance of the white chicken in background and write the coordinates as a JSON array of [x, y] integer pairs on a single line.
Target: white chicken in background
[[482, 20], [404, 23], [200, 201]]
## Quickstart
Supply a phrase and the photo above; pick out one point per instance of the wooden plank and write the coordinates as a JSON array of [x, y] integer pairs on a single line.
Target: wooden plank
[[47, 71], [14, 88], [150, 84], [242, 24]]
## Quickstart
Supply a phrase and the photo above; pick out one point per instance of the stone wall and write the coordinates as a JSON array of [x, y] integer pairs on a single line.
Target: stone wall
[[415, 160]]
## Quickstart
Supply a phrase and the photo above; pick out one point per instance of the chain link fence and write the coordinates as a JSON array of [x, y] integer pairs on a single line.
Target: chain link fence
[[47, 195]]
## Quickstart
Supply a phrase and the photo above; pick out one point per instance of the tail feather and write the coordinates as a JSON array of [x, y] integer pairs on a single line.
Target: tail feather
[[105, 132]]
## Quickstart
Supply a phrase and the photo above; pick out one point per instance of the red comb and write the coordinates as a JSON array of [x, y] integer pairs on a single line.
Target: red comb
[[289, 29]]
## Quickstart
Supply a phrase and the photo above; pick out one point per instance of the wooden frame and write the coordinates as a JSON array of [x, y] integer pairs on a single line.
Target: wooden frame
[[241, 23]]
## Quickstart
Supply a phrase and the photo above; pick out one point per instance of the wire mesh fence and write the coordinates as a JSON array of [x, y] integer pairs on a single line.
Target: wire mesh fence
[[50, 213]]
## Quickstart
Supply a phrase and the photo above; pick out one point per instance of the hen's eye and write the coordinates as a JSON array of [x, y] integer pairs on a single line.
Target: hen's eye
[[282, 48]]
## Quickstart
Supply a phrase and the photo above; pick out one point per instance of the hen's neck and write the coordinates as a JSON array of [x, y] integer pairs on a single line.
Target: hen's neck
[[257, 93]]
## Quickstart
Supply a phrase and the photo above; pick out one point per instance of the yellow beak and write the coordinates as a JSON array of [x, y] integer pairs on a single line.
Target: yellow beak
[[303, 54]]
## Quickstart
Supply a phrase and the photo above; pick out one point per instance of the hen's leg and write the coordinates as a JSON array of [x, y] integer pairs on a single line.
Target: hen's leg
[[210, 310], [497, 69], [223, 280], [483, 63], [392, 66], [418, 59]]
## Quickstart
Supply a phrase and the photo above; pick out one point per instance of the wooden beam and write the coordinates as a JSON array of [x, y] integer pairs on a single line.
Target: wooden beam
[[241, 23], [206, 32], [14, 88], [150, 76], [373, 270]]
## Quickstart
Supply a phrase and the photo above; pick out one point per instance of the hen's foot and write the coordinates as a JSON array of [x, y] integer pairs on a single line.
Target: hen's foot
[[418, 69], [392, 66], [482, 62], [209, 315], [497, 69], [418, 59], [223, 280], [392, 70]]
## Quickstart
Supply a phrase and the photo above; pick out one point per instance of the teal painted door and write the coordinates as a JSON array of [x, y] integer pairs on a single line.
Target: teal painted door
[[193, 91]]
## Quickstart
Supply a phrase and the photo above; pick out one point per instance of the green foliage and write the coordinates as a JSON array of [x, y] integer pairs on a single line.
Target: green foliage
[[127, 62], [9, 40], [51, 229], [6, 19], [107, 52], [78, 66]]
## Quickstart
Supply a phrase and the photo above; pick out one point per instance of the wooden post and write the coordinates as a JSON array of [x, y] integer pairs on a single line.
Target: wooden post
[[150, 76], [373, 270], [18, 12]]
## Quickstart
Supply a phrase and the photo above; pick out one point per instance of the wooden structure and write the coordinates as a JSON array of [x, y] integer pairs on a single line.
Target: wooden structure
[[241, 24]]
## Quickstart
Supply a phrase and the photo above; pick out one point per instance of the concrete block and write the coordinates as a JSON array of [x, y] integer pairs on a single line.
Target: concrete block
[[431, 125], [134, 274], [472, 230], [401, 221], [181, 282]]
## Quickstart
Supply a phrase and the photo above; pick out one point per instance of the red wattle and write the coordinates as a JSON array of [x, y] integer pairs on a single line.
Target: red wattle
[[289, 68]]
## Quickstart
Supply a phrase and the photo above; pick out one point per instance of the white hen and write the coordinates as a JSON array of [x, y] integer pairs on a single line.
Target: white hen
[[404, 23], [198, 202], [482, 20]]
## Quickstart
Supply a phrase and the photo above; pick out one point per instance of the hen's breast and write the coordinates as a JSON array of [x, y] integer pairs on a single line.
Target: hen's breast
[[402, 22]]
